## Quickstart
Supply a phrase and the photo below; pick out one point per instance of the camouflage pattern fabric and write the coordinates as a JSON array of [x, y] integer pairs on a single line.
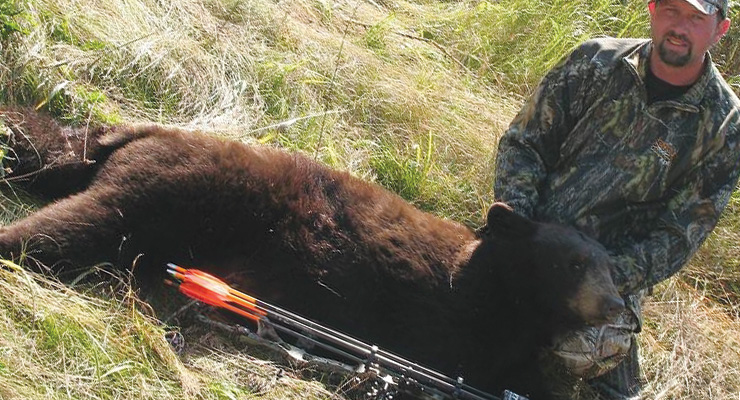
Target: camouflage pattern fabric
[[648, 181], [591, 352]]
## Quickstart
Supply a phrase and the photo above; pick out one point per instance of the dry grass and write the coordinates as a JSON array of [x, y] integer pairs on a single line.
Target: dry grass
[[691, 347], [412, 95], [56, 343], [59, 343]]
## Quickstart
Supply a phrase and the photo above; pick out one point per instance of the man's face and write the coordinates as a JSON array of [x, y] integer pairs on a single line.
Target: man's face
[[682, 34]]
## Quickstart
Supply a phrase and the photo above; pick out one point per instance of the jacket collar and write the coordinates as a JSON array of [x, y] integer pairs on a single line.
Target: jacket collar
[[637, 62]]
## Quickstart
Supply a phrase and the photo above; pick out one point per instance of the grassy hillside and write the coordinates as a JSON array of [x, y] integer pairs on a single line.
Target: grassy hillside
[[410, 94]]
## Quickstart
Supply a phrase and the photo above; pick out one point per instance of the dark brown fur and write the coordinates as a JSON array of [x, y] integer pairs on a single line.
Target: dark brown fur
[[316, 241]]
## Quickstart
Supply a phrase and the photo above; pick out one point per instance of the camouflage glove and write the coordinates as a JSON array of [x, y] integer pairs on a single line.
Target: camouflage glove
[[593, 351]]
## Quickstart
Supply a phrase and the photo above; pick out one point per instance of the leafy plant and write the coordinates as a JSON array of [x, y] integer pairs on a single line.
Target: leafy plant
[[9, 14]]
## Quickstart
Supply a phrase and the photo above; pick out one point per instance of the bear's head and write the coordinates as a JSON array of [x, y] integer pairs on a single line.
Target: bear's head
[[549, 269]]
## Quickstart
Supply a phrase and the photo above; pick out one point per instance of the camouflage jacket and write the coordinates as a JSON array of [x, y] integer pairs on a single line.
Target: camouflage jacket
[[648, 181]]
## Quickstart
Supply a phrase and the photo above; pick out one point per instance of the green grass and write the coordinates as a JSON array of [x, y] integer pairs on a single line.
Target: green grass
[[512, 43], [58, 343], [10, 13], [410, 94]]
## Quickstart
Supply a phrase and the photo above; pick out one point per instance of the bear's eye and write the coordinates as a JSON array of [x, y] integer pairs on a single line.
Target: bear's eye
[[576, 266]]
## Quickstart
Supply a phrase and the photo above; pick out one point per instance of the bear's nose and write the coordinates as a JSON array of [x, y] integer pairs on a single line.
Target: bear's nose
[[612, 306]]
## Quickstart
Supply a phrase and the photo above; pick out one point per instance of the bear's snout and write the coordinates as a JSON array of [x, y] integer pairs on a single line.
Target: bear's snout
[[597, 300], [612, 306]]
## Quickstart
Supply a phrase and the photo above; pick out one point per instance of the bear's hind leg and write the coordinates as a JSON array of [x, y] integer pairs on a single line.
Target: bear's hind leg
[[74, 232]]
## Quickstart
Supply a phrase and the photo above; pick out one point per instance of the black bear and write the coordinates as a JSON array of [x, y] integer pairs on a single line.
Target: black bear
[[316, 241]]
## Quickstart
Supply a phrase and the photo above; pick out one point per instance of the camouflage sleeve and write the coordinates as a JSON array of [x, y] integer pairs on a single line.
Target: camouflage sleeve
[[531, 143], [691, 216]]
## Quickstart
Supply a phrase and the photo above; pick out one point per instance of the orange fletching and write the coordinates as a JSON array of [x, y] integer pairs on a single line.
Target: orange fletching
[[208, 289], [203, 287]]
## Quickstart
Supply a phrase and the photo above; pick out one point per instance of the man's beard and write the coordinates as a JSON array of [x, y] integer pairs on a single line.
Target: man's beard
[[671, 57]]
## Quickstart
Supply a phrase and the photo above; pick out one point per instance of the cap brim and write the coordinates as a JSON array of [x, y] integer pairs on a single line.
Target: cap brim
[[703, 6]]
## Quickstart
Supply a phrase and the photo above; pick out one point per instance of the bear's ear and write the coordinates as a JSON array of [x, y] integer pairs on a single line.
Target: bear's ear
[[503, 222]]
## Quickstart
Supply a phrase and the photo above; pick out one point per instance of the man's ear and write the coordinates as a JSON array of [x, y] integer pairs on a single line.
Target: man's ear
[[722, 29], [503, 223]]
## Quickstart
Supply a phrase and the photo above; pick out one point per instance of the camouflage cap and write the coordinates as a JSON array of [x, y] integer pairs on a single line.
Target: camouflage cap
[[710, 7]]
